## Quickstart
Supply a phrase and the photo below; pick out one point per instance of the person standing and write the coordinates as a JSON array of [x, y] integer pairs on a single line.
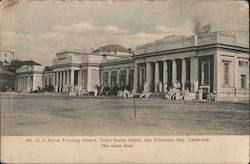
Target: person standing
[[160, 86], [165, 88], [145, 90]]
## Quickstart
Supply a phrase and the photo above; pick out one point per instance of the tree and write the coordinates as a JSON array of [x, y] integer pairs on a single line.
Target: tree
[[19, 63]]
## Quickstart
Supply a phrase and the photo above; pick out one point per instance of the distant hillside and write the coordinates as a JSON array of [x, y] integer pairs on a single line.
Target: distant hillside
[[19, 63], [7, 81], [8, 73]]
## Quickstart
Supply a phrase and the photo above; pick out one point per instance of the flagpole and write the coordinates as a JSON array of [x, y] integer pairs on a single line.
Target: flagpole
[[134, 105]]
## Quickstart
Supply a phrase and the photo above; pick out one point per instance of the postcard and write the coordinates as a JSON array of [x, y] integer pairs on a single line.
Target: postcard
[[116, 81]]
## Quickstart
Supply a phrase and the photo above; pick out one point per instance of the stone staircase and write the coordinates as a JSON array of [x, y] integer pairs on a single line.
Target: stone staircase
[[151, 95], [157, 95]]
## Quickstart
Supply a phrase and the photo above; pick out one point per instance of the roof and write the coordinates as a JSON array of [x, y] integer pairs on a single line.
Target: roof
[[112, 48]]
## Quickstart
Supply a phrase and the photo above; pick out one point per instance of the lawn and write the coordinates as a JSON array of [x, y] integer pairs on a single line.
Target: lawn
[[41, 114]]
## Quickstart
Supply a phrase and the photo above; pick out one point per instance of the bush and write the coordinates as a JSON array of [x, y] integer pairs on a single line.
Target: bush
[[36, 91], [140, 89], [49, 88]]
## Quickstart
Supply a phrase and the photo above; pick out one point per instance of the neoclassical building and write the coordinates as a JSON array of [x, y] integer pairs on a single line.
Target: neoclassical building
[[214, 64], [29, 78]]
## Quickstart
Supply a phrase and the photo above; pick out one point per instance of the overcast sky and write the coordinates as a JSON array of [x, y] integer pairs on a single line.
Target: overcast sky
[[38, 29]]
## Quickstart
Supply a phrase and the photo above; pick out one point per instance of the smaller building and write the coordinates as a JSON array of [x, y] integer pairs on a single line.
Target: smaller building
[[29, 78]]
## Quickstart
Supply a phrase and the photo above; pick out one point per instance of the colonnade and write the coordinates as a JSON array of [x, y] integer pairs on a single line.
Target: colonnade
[[118, 74], [153, 68], [24, 83], [64, 80]]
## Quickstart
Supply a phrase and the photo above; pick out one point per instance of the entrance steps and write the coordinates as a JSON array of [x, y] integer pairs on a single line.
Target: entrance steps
[[157, 95], [151, 95]]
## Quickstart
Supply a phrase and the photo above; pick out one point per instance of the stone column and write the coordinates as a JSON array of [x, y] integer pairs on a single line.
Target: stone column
[[149, 76], [61, 81], [23, 84], [67, 80], [83, 79], [174, 71], [127, 76], [89, 81], [109, 79], [17, 81], [135, 85], [101, 77], [64, 81], [34, 82], [194, 85], [183, 74], [57, 82], [54, 81], [118, 77], [20, 83], [80, 78], [28, 83], [156, 76], [64, 78], [236, 74], [72, 77], [165, 72]]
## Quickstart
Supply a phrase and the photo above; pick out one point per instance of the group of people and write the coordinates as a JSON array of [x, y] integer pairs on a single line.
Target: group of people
[[171, 93], [113, 91]]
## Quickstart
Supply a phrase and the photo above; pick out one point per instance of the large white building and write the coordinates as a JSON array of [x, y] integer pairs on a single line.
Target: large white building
[[214, 63], [29, 78]]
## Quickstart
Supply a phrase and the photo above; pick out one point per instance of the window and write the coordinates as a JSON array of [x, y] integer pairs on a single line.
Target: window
[[226, 73], [123, 77], [243, 81], [113, 78], [45, 80], [205, 73], [105, 78], [243, 63], [131, 78], [141, 75], [50, 80], [85, 78]]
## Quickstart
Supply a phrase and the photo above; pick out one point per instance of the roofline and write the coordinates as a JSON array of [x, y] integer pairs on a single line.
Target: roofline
[[194, 48], [114, 62], [73, 52]]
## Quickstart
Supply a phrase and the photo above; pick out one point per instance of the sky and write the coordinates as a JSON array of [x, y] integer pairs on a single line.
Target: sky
[[38, 29]]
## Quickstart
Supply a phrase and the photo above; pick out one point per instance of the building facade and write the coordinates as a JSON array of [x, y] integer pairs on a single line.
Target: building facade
[[213, 64], [29, 78]]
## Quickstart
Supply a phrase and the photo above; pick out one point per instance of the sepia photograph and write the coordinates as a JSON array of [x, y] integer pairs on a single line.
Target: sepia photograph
[[168, 68]]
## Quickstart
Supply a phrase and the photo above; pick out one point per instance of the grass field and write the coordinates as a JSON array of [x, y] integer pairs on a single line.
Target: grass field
[[64, 115]]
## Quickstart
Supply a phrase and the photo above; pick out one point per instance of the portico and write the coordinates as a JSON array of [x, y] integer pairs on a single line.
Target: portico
[[70, 79], [166, 71]]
